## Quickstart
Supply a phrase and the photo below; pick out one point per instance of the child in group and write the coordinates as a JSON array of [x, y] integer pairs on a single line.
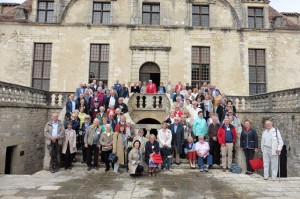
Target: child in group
[[190, 151], [69, 146]]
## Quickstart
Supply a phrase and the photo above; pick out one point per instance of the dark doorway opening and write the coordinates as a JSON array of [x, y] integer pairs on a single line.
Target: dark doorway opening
[[8, 159], [150, 70], [149, 121]]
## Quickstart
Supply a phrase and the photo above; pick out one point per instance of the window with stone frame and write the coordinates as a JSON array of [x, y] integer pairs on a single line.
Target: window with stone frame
[[101, 13], [257, 71], [255, 17], [45, 10], [99, 62], [200, 64], [151, 14], [200, 15], [41, 66]]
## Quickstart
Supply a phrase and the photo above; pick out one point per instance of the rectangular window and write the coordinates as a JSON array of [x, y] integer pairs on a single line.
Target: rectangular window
[[99, 62], [41, 66], [255, 18], [151, 14], [101, 13], [45, 11], [257, 71], [200, 64], [200, 15]]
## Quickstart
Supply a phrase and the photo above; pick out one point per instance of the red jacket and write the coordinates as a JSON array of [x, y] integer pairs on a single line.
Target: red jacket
[[151, 88], [180, 87], [222, 134]]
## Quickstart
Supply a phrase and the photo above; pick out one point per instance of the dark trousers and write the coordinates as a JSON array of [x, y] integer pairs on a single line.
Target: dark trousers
[[54, 152], [84, 150], [105, 157], [249, 153], [215, 151], [68, 158], [92, 150], [127, 153]]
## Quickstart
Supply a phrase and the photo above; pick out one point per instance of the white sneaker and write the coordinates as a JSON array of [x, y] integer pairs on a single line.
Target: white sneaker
[[265, 178]]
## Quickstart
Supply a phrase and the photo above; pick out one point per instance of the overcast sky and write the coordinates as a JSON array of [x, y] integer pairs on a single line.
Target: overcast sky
[[279, 5]]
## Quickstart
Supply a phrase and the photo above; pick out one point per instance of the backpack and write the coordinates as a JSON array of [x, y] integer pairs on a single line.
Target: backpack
[[234, 168]]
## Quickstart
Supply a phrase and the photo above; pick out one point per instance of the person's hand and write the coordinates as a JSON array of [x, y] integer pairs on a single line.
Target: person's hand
[[223, 145], [278, 152], [86, 146], [98, 146], [241, 148], [256, 150], [165, 145], [74, 148], [214, 138], [138, 162]]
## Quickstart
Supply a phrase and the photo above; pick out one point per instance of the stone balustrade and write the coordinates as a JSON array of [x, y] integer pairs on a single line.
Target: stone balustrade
[[16, 95], [139, 101], [275, 101]]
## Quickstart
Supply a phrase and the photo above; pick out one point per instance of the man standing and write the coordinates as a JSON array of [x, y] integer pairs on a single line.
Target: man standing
[[122, 106], [177, 139], [151, 87], [123, 91], [271, 145], [79, 90], [117, 85], [70, 106], [213, 140], [169, 87], [111, 99], [54, 134], [227, 139], [91, 142]]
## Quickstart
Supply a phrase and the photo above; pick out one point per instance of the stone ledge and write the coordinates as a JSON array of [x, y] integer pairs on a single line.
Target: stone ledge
[[151, 48]]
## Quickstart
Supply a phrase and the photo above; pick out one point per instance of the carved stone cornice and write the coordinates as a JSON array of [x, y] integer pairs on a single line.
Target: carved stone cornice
[[197, 1], [151, 48], [256, 1]]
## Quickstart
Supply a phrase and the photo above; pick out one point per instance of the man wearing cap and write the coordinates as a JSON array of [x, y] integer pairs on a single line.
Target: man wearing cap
[[151, 87], [92, 143], [95, 109], [177, 138], [200, 126], [85, 125]]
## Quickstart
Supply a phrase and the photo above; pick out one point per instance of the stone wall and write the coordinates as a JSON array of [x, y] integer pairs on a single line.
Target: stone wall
[[23, 114]]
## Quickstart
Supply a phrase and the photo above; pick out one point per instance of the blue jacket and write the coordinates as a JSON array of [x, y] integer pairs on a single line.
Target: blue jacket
[[78, 91], [249, 140], [69, 106]]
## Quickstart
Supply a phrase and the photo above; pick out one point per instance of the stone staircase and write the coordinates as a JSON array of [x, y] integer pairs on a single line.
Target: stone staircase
[[184, 163]]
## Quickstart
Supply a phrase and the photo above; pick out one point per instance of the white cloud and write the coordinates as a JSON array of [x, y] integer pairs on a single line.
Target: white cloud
[[11, 1]]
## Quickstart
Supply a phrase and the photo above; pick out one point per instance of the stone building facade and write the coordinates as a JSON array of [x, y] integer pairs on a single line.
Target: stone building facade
[[242, 46]]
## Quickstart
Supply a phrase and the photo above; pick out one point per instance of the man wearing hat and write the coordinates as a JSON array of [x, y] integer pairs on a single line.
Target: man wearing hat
[[94, 109], [200, 126], [85, 125], [151, 87]]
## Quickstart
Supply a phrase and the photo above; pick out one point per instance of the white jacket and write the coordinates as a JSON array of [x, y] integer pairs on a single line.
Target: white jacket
[[164, 138], [277, 141]]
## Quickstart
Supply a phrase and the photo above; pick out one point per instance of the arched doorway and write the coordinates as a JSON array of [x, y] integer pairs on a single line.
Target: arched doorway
[[149, 124], [150, 70]]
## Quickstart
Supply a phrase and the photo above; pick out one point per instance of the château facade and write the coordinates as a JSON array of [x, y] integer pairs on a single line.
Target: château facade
[[242, 46]]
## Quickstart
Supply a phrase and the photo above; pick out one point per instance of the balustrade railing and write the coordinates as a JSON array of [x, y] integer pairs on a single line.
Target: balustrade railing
[[279, 100], [17, 95], [139, 101]]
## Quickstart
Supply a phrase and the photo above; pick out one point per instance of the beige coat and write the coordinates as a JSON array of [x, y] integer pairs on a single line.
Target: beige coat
[[104, 139], [118, 148], [132, 160], [89, 135], [48, 132], [70, 137]]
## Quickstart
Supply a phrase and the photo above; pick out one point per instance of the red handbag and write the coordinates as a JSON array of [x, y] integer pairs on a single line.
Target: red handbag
[[157, 159], [257, 163]]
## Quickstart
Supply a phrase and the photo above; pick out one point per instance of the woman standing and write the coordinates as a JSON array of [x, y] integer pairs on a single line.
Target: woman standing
[[151, 148], [135, 159], [165, 138], [143, 88], [119, 146], [106, 141], [249, 144], [69, 145], [208, 107]]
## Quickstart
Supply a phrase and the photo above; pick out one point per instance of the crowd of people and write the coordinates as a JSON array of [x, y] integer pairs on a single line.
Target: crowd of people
[[200, 127]]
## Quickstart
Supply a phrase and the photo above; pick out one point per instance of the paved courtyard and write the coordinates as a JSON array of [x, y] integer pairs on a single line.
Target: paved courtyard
[[182, 183]]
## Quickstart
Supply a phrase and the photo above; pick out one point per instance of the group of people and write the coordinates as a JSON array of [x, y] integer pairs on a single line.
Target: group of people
[[201, 126]]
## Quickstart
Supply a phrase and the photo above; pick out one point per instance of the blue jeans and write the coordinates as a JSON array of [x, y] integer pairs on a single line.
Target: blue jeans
[[208, 158]]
